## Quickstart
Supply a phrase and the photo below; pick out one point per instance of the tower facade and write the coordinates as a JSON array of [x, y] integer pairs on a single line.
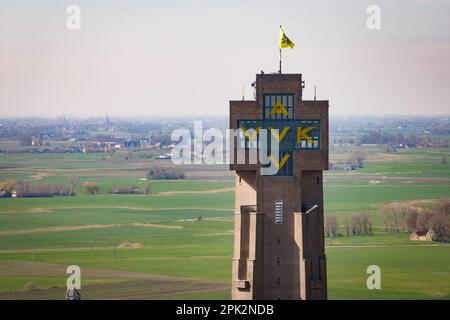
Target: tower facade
[[278, 233]]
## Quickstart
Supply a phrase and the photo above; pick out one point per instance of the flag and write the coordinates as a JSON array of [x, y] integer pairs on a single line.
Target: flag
[[285, 42]]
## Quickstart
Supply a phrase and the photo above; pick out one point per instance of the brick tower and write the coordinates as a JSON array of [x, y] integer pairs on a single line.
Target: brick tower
[[278, 234]]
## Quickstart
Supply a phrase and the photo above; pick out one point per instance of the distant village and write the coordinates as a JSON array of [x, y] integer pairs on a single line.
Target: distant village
[[151, 138]]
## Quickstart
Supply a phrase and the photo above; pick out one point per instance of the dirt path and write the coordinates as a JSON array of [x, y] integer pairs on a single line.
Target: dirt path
[[48, 210], [389, 245], [84, 227], [171, 193], [136, 224], [38, 269], [380, 177], [55, 229]]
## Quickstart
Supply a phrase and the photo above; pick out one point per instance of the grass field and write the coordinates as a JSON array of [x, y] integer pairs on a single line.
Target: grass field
[[155, 246]]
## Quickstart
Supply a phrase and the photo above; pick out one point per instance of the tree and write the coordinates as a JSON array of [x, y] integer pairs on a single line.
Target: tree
[[25, 139], [366, 226], [23, 189], [385, 216], [440, 221], [91, 187], [392, 218], [356, 225], [411, 219], [424, 219], [347, 226], [73, 184], [147, 188], [357, 157], [331, 226]]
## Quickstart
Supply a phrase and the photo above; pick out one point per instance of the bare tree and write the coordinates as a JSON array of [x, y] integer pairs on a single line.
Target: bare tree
[[411, 219], [385, 216], [357, 157], [331, 226], [147, 188], [347, 226], [424, 219], [356, 225], [366, 226], [393, 216], [73, 184], [440, 221]]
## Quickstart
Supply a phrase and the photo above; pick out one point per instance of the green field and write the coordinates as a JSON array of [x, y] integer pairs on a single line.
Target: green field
[[128, 242]]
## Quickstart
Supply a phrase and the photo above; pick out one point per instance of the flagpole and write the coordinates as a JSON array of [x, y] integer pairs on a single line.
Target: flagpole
[[279, 71]]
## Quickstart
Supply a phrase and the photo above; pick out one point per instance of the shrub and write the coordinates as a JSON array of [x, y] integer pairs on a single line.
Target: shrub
[[165, 173], [30, 286], [8, 185], [91, 187], [128, 189]]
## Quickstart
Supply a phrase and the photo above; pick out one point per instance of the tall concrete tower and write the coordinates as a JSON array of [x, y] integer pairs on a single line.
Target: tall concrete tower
[[278, 234]]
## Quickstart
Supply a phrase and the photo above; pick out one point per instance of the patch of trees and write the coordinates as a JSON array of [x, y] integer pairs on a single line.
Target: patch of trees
[[331, 226], [380, 137], [164, 139], [126, 189], [165, 173], [407, 218], [440, 221], [357, 224], [28, 190], [23, 189]]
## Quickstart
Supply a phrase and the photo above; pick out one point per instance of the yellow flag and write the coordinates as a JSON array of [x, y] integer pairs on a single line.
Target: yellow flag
[[285, 42]]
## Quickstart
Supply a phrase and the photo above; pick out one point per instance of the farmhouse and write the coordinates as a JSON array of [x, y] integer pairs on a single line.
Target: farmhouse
[[422, 235]]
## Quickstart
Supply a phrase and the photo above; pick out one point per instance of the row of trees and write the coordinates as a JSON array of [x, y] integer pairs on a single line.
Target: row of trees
[[130, 189], [92, 188], [407, 218], [380, 137], [396, 218], [358, 224], [23, 189], [27, 190], [165, 173]]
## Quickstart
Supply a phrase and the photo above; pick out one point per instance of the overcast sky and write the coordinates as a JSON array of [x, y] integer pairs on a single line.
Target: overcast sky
[[189, 57]]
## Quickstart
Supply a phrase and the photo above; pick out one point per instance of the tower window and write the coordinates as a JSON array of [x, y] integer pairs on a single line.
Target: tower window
[[318, 180], [278, 106], [279, 212], [278, 261], [278, 240], [278, 281]]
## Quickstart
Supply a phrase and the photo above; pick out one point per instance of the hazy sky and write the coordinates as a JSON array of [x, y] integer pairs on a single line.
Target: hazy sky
[[189, 57]]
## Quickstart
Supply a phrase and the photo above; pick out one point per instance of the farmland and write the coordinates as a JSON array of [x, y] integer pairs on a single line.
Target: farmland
[[176, 243]]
